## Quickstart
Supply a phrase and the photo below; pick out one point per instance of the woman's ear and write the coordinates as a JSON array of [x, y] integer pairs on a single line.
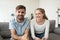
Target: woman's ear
[[43, 15]]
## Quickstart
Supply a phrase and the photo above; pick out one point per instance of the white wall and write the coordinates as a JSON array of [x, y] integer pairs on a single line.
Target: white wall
[[8, 6], [50, 7]]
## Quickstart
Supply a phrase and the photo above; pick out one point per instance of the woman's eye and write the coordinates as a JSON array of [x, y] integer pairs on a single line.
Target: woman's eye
[[37, 13]]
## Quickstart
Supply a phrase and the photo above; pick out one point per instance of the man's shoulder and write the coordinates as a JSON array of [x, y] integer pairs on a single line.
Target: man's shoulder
[[27, 19], [12, 20]]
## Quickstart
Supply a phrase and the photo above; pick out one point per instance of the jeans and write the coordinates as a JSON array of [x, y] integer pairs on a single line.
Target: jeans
[[39, 35]]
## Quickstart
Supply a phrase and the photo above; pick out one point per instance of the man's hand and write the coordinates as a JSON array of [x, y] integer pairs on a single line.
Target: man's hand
[[19, 38], [43, 38], [24, 38], [36, 38]]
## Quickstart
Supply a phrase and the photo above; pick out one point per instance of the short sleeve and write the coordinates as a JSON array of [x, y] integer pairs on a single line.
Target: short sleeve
[[11, 24], [28, 27]]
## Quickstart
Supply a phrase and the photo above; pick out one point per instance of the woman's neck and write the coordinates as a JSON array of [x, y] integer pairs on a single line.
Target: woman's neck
[[40, 21]]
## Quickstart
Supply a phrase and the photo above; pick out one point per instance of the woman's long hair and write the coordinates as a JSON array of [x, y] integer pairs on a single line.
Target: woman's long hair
[[43, 11]]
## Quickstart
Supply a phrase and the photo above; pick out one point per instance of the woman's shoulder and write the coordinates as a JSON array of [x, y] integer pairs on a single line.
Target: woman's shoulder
[[47, 21], [32, 20]]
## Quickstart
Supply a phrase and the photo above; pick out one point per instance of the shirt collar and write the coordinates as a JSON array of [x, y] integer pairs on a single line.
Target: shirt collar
[[20, 23]]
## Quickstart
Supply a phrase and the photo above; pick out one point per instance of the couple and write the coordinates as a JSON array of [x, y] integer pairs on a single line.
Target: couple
[[20, 26]]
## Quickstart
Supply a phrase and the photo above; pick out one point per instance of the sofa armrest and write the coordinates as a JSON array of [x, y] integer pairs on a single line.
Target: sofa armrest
[[1, 38], [52, 26], [57, 31]]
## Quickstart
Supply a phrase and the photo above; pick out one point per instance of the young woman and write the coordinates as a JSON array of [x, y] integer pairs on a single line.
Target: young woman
[[40, 25]]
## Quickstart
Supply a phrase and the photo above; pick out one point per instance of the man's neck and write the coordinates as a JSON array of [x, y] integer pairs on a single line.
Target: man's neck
[[20, 21]]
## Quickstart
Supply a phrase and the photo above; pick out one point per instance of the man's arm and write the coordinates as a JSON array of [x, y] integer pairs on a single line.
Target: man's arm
[[25, 36], [14, 36], [26, 33]]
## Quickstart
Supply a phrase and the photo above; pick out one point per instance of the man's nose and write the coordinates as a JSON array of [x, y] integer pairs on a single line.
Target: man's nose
[[20, 13]]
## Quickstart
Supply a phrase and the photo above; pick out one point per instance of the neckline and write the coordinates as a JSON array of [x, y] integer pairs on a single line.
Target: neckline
[[40, 24], [21, 22]]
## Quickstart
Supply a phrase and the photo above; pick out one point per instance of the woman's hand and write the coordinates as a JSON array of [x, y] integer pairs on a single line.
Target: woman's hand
[[36, 38]]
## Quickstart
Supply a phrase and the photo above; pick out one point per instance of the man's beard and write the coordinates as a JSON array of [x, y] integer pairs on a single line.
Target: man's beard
[[20, 17]]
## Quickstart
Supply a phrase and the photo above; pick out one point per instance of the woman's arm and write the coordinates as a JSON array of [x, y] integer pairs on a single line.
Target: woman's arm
[[33, 32], [46, 31]]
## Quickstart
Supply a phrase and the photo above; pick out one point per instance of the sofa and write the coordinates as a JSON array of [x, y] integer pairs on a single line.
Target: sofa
[[6, 35], [53, 34], [4, 31]]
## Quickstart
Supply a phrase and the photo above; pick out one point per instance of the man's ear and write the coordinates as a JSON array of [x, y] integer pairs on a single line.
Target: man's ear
[[25, 13]]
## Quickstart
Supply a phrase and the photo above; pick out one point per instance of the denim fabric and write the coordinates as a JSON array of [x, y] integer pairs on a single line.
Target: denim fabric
[[39, 35]]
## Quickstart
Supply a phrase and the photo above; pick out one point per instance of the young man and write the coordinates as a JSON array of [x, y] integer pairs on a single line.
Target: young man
[[19, 26]]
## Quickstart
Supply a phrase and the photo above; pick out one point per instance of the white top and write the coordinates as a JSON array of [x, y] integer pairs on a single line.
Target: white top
[[36, 28]]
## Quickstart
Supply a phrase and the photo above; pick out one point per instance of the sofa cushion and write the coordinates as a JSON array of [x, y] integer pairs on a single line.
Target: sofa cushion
[[4, 26], [52, 25], [4, 29], [5, 34], [57, 30], [7, 39], [1, 38], [53, 36]]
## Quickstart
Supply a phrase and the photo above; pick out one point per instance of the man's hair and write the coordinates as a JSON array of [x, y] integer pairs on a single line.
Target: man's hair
[[20, 7]]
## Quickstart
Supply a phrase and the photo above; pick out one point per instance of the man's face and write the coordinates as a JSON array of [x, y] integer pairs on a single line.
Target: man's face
[[20, 14]]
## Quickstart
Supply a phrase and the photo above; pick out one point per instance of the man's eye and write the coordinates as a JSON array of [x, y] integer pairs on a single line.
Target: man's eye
[[19, 12], [22, 12]]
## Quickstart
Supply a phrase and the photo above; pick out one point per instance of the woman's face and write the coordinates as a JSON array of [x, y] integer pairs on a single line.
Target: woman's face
[[39, 14]]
